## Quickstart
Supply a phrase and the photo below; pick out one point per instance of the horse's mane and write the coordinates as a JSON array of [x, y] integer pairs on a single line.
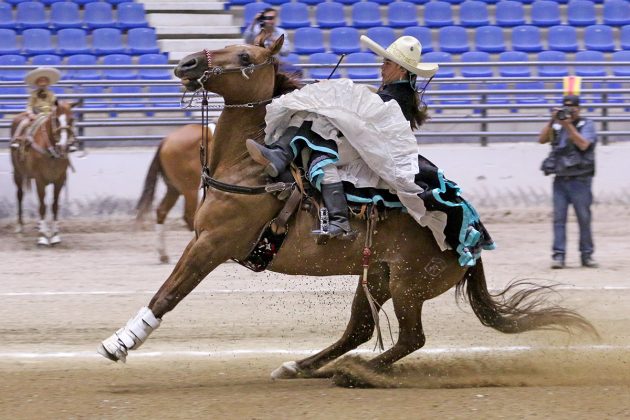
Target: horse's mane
[[285, 83]]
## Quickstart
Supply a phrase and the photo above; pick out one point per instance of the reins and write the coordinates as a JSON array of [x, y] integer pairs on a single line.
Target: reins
[[207, 181]]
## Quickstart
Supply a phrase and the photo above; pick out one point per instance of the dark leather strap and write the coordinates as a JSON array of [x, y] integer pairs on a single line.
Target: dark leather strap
[[208, 181], [280, 222]]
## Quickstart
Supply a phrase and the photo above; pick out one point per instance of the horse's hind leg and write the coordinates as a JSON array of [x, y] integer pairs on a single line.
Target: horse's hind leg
[[55, 238], [407, 299], [190, 207], [17, 178], [358, 331], [43, 226], [165, 206]]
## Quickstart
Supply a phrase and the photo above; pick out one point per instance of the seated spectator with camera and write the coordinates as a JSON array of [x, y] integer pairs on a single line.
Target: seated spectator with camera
[[572, 161], [265, 24]]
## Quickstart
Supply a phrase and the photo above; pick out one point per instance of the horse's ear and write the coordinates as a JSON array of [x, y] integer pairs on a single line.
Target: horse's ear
[[73, 104], [277, 45]]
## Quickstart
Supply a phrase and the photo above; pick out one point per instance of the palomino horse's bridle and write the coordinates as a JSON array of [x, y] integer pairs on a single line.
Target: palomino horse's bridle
[[206, 178]]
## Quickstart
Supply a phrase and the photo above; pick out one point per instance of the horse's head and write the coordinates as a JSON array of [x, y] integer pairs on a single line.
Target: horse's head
[[239, 73], [61, 124]]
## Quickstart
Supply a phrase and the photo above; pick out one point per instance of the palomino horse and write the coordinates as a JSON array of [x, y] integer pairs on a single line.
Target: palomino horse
[[177, 161], [407, 265], [45, 159]]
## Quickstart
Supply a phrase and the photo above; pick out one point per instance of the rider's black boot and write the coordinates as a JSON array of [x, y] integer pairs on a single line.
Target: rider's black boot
[[335, 202], [275, 158]]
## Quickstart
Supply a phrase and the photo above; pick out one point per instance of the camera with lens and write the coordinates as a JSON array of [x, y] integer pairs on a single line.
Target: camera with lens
[[563, 113]]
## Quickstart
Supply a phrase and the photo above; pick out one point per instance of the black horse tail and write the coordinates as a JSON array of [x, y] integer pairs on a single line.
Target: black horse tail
[[148, 191], [525, 309]]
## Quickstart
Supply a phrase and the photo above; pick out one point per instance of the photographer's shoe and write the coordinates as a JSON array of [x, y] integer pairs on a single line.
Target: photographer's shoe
[[557, 263], [589, 262]]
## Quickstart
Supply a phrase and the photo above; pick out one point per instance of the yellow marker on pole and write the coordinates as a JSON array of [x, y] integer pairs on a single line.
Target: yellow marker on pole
[[571, 85]]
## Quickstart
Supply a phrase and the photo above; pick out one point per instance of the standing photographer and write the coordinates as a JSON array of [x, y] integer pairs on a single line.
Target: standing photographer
[[265, 24], [572, 161]]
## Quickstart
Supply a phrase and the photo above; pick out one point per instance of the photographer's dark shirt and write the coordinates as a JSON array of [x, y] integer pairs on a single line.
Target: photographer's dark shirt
[[570, 160], [252, 31]]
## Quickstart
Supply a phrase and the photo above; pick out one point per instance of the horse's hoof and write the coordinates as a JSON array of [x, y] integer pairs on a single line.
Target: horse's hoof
[[43, 241], [55, 240], [164, 259], [288, 370], [106, 354]]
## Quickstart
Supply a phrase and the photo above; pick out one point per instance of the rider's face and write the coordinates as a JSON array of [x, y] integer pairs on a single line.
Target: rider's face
[[42, 82], [391, 72]]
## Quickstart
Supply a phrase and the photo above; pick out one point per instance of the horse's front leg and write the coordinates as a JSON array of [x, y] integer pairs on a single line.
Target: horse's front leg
[[42, 226], [201, 256], [358, 331], [19, 184], [55, 238]]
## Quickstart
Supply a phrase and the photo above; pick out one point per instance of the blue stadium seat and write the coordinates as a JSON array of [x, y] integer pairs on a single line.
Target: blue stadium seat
[[619, 70], [65, 15], [555, 70], [91, 90], [453, 39], [37, 41], [497, 99], [279, 2], [545, 13], [422, 34], [419, 1], [384, 2], [49, 60], [344, 40], [366, 14], [136, 101], [250, 11], [529, 97], [308, 41], [454, 1], [131, 15], [312, 2], [476, 71], [142, 41], [526, 38], [13, 104], [154, 74], [82, 74], [362, 72], [440, 57], [509, 13], [6, 17], [288, 64], [107, 41], [382, 35], [489, 39], [99, 15], [455, 99], [118, 74], [347, 2], [13, 75], [330, 15], [72, 41], [581, 13], [8, 42], [84, 2], [616, 12], [592, 70], [438, 14], [401, 14], [624, 38], [115, 2], [473, 13], [165, 102], [31, 14], [599, 38], [321, 73], [562, 38], [514, 71], [238, 3], [294, 15]]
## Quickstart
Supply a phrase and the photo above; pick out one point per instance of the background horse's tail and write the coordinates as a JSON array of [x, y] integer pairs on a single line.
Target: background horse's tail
[[148, 191], [521, 307]]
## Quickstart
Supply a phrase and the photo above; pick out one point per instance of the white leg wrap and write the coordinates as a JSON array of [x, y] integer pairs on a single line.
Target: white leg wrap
[[288, 370], [131, 336]]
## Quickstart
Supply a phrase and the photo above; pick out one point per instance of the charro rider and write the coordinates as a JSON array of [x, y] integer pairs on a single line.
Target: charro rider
[[361, 141], [40, 103]]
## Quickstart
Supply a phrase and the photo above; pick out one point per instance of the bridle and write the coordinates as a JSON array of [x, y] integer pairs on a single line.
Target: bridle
[[207, 180]]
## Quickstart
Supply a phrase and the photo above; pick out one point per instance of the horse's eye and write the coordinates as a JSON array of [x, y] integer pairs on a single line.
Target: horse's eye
[[245, 59]]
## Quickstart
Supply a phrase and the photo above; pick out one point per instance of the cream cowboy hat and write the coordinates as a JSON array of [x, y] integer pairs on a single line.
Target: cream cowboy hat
[[52, 74], [405, 51]]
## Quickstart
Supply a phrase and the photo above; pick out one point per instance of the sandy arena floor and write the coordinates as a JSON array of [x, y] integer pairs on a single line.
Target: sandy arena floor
[[212, 356]]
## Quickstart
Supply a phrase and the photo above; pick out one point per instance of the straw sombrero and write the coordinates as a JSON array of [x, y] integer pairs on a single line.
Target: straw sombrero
[[405, 51], [51, 73]]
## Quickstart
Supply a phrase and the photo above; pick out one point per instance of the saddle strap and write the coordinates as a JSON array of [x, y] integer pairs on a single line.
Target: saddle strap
[[278, 226]]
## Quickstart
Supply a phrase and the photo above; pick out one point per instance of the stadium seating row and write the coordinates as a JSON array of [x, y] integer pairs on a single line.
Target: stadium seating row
[[446, 71], [67, 15], [75, 41], [455, 39], [232, 3], [472, 13], [81, 2]]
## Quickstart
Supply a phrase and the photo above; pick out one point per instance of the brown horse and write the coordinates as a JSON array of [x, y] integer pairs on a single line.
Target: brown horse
[[45, 159], [177, 161], [407, 265]]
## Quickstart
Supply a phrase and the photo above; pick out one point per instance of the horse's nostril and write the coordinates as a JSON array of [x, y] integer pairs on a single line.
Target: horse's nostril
[[189, 65]]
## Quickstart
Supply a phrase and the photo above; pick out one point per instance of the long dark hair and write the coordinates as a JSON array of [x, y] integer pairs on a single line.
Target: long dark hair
[[420, 111]]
